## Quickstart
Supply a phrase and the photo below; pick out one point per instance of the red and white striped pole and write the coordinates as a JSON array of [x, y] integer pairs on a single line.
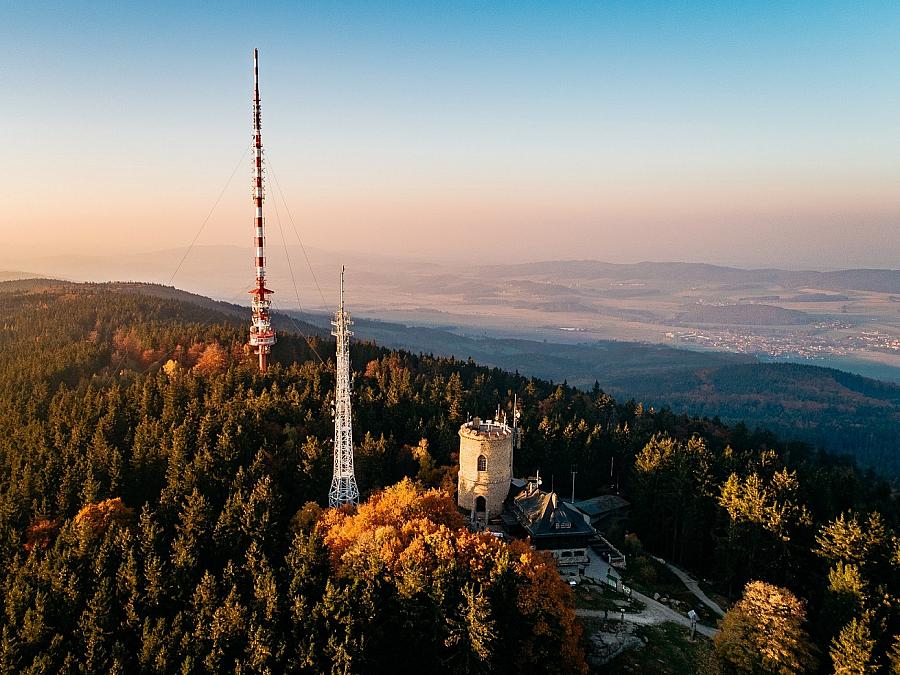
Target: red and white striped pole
[[261, 334]]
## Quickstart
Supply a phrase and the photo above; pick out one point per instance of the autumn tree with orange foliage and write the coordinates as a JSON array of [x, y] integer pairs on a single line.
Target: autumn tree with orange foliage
[[40, 533], [214, 359], [764, 633], [410, 587], [95, 518]]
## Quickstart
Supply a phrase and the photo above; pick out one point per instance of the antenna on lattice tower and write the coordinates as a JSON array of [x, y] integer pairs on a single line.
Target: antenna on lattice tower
[[262, 336], [343, 484], [516, 442], [574, 471]]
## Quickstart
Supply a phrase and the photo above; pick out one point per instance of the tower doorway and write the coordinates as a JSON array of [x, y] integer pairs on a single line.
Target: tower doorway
[[480, 512]]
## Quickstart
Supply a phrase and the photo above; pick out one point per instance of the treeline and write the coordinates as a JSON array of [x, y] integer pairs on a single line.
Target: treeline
[[154, 503]]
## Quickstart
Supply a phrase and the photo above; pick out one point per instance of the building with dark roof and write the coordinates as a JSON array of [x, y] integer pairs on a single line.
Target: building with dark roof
[[550, 523], [604, 510]]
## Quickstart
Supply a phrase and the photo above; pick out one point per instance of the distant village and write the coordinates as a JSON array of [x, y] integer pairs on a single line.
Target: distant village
[[802, 345]]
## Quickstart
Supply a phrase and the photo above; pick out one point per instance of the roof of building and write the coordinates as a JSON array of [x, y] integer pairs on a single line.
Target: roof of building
[[600, 506], [544, 514]]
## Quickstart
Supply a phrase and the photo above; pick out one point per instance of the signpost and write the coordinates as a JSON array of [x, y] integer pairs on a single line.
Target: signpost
[[693, 616]]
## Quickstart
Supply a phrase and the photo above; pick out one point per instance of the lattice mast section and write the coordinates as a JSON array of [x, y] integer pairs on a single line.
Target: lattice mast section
[[262, 336], [343, 485]]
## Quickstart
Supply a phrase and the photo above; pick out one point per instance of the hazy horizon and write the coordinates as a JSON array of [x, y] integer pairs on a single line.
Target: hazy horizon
[[752, 136], [58, 263]]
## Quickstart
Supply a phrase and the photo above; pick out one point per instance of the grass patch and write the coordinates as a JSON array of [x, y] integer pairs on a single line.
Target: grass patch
[[648, 576], [668, 651], [601, 597]]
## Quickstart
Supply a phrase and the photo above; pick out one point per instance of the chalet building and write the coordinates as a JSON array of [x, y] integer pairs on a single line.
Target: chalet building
[[550, 523]]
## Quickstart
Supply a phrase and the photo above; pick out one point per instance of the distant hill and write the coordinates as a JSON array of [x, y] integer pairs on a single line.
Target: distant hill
[[817, 297], [29, 284], [221, 269], [841, 412], [11, 275], [281, 321], [881, 280]]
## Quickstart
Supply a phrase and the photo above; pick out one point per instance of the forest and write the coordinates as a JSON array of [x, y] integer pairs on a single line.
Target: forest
[[161, 506], [841, 412]]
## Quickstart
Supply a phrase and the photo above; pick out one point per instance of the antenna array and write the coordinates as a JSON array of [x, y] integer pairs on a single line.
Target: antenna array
[[343, 484], [262, 336]]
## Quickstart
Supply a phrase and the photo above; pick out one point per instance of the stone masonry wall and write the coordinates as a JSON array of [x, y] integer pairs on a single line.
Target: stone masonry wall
[[494, 441]]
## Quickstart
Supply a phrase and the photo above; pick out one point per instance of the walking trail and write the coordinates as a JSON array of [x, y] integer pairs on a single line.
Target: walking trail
[[654, 612], [694, 588]]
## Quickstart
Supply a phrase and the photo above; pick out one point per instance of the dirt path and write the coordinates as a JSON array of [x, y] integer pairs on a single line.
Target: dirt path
[[694, 588], [654, 612]]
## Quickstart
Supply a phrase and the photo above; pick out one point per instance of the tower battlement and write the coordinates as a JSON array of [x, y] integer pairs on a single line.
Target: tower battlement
[[478, 428]]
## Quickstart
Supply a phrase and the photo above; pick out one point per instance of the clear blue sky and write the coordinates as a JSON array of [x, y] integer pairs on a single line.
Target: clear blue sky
[[750, 133]]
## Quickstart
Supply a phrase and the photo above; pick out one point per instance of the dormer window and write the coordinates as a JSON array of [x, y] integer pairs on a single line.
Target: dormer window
[[482, 463]]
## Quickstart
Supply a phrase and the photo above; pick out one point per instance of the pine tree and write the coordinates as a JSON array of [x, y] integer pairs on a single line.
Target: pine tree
[[96, 628], [471, 635], [852, 650], [189, 544], [894, 656]]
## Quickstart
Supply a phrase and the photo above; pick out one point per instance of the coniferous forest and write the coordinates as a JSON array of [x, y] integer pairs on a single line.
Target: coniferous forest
[[161, 509]]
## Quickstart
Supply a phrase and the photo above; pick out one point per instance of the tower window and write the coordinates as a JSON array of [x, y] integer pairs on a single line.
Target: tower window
[[482, 463]]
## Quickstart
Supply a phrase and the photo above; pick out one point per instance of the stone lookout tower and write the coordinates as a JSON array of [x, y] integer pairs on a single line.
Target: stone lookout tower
[[485, 467]]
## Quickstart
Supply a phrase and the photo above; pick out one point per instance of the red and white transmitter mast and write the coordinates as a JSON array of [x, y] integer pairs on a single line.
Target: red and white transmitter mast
[[262, 336]]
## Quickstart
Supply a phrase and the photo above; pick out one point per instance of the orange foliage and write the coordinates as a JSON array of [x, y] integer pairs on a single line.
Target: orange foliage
[[390, 519], [372, 369], [213, 360], [129, 344], [417, 538], [40, 533], [97, 517]]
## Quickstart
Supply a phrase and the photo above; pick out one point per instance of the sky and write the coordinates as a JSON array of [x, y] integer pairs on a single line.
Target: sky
[[755, 134]]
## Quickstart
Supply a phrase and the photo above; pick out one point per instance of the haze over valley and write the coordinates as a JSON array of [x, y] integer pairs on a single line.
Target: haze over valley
[[846, 319]]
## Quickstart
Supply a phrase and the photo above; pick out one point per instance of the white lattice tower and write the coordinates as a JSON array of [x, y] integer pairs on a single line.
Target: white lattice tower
[[262, 336], [343, 485]]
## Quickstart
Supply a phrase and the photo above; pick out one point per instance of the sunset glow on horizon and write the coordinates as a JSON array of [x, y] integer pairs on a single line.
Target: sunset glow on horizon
[[754, 135]]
